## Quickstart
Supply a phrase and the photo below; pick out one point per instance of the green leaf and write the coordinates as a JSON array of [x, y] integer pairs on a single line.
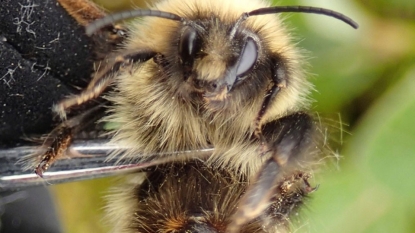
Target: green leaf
[[375, 191]]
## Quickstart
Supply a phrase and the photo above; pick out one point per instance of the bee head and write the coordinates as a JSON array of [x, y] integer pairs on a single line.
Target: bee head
[[212, 63], [221, 62]]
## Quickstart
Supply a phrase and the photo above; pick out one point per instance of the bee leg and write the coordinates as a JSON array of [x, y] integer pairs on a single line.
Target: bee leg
[[83, 11], [56, 144], [287, 139], [278, 82], [290, 194], [62, 137], [101, 81]]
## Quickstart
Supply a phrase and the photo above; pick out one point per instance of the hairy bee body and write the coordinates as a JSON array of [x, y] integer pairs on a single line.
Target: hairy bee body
[[192, 75], [158, 112], [194, 197]]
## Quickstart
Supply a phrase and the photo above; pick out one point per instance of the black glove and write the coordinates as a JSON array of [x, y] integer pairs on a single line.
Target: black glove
[[44, 55]]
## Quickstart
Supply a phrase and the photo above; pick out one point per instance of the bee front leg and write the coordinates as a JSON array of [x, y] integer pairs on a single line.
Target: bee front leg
[[101, 81], [288, 140], [83, 11], [56, 145]]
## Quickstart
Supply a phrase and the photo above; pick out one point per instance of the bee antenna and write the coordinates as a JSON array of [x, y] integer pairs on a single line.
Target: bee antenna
[[305, 9], [110, 19], [300, 9]]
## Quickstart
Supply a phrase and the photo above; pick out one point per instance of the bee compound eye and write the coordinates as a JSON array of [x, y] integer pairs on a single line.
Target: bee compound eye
[[248, 57], [190, 44]]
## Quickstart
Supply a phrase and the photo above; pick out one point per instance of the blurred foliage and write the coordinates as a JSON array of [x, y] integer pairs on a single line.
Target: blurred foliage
[[367, 76]]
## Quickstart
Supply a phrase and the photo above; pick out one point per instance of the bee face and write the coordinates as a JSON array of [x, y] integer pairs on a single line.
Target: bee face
[[211, 60], [215, 66]]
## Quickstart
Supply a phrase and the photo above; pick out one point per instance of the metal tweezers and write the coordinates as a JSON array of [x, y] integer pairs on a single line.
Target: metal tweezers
[[94, 165]]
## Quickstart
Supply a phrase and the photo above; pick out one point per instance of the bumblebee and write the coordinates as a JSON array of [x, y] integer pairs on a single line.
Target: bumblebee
[[191, 75]]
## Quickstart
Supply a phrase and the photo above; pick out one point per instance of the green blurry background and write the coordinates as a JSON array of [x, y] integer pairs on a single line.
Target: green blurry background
[[365, 82]]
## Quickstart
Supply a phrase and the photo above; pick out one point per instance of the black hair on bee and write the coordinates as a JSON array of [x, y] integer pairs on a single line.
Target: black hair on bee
[[197, 74], [195, 197]]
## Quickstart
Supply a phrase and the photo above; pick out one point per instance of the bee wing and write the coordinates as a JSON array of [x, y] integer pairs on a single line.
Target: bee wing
[[93, 164]]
